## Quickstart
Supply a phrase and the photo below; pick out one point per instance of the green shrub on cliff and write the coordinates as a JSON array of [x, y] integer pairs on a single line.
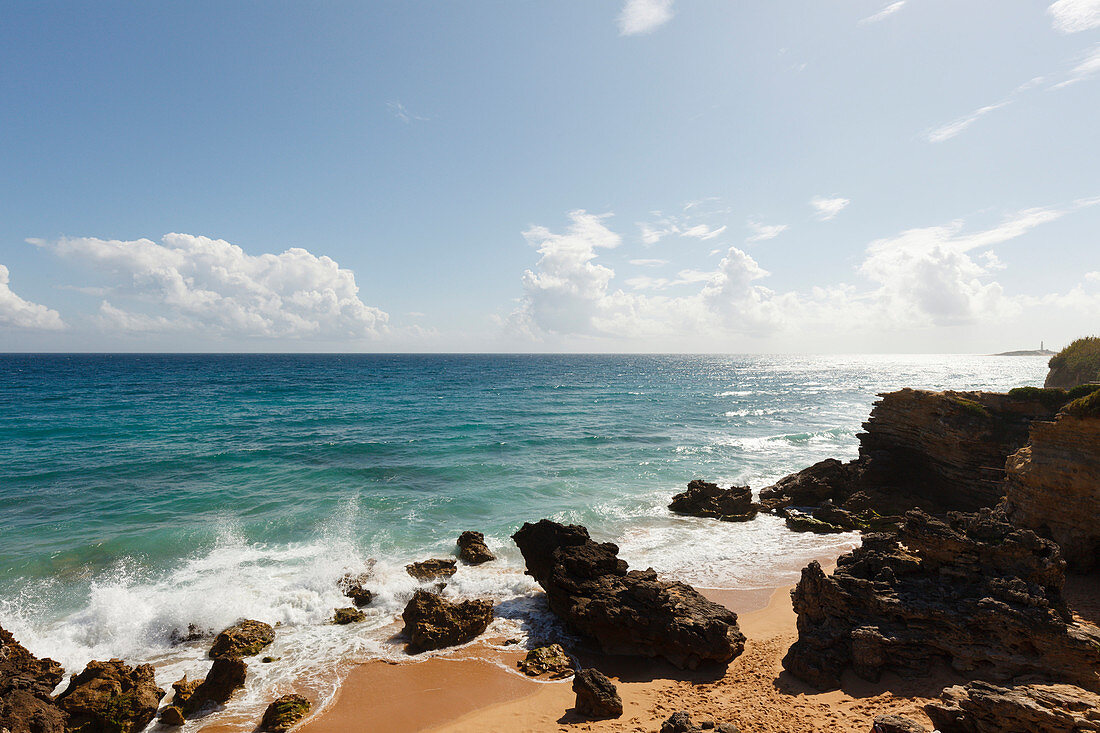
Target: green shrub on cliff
[[1088, 406], [1078, 363]]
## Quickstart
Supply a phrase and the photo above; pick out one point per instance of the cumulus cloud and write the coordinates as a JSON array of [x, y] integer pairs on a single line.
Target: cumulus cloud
[[826, 209], [1072, 16], [763, 232], [644, 16], [210, 286], [884, 13], [19, 313]]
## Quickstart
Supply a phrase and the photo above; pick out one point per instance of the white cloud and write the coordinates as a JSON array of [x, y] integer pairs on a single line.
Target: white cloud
[[18, 313], [764, 232], [1093, 276], [399, 111], [702, 231], [649, 262], [884, 13], [1088, 67], [214, 288], [1072, 16], [644, 16], [827, 208], [953, 128]]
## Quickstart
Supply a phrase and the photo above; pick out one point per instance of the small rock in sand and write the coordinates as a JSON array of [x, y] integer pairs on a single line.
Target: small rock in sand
[[596, 695]]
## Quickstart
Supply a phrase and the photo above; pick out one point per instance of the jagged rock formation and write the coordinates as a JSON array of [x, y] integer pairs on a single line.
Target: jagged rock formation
[[26, 683], [1077, 364], [349, 615], [226, 675], [284, 713], [111, 697], [704, 499], [242, 639], [547, 661], [1053, 486], [472, 549], [938, 451], [353, 585], [972, 591], [596, 695], [896, 724], [681, 722], [979, 707], [632, 612], [432, 569], [432, 622]]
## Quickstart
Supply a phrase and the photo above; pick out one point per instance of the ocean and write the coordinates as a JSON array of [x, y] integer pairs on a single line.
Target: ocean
[[140, 494]]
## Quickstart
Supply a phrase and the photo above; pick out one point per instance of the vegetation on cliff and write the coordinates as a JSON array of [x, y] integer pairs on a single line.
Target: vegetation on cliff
[[1077, 364]]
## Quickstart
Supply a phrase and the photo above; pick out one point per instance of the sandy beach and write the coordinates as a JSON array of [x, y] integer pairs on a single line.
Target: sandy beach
[[475, 691]]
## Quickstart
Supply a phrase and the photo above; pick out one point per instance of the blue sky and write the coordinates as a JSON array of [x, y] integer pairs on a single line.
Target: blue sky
[[654, 175]]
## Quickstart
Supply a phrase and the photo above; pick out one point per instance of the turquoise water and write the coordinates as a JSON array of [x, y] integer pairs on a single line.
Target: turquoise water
[[141, 493]]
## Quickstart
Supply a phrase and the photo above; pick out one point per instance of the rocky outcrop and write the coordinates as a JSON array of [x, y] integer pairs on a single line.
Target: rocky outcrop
[[896, 724], [431, 569], [111, 697], [596, 695], [681, 722], [1053, 486], [353, 585], [26, 684], [980, 707], [226, 676], [172, 717], [432, 622], [799, 522], [472, 549], [349, 615], [972, 591], [547, 661], [938, 451], [284, 713], [626, 612], [243, 639], [704, 499]]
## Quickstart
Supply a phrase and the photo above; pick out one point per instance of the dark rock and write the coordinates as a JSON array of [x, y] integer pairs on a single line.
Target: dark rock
[[896, 724], [26, 683], [349, 615], [596, 695], [1053, 486], [704, 499], [972, 591], [431, 569], [284, 713], [184, 689], [472, 549], [193, 633], [632, 612], [353, 586], [681, 723], [226, 675], [243, 639], [938, 451], [550, 661], [799, 522], [432, 622], [980, 707], [269, 660], [111, 697], [172, 717]]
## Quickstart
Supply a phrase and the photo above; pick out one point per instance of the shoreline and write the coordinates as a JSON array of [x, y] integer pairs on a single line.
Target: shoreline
[[468, 692]]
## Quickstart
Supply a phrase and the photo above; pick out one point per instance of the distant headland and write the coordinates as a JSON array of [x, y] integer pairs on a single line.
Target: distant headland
[[1041, 351]]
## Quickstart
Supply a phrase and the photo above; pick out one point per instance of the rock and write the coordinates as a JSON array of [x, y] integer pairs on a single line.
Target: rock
[[799, 522], [172, 717], [939, 451], [472, 549], [980, 707], [184, 689], [633, 612], [1053, 486], [681, 723], [111, 697], [193, 633], [353, 586], [596, 695], [243, 639], [1075, 365], [349, 615], [896, 724], [269, 660], [550, 661], [26, 685], [284, 713], [226, 675], [431, 569], [703, 499], [432, 622], [972, 591]]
